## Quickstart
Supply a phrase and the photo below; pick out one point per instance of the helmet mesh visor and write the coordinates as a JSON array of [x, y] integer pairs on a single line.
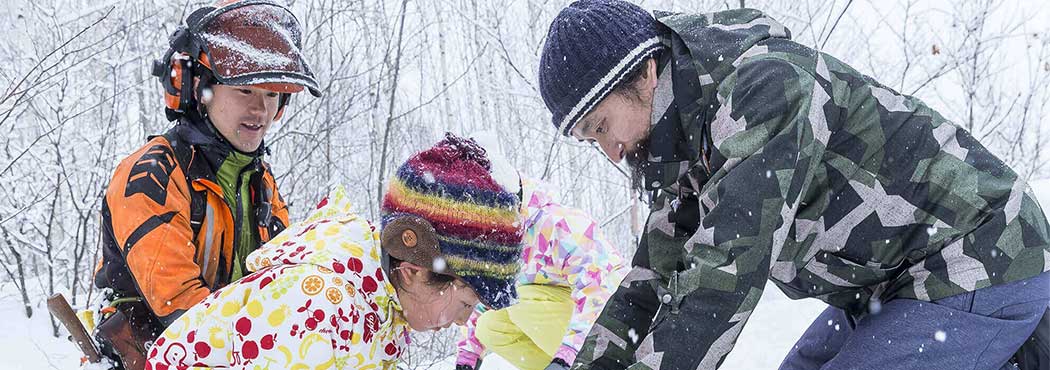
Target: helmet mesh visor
[[256, 44]]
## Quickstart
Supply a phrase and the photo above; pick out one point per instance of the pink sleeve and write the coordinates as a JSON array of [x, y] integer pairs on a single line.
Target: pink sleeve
[[470, 349], [566, 353], [593, 268]]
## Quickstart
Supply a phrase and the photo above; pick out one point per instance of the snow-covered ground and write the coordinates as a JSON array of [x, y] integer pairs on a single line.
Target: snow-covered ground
[[771, 331], [27, 343]]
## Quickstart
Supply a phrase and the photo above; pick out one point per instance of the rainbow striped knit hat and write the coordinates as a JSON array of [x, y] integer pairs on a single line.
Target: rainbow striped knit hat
[[477, 220]]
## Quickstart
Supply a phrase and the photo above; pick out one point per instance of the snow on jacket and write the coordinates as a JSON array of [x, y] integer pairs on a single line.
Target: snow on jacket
[[318, 299], [563, 247]]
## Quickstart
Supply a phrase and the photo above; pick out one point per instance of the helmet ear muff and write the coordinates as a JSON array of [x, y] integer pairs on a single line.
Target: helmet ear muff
[[176, 76], [173, 85], [176, 69]]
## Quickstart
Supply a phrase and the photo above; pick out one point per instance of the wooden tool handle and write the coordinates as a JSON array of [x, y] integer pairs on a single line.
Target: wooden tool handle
[[59, 307]]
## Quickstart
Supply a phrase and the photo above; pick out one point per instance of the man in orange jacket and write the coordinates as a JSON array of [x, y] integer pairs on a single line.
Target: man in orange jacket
[[182, 212]]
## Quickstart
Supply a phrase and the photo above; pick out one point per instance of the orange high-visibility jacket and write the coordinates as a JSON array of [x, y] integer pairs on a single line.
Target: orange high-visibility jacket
[[168, 233]]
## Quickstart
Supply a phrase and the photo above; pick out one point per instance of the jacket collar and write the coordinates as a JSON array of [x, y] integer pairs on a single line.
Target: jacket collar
[[674, 143], [199, 134], [702, 51]]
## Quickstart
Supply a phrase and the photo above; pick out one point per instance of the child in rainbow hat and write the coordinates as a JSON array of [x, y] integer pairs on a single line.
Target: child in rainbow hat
[[568, 268]]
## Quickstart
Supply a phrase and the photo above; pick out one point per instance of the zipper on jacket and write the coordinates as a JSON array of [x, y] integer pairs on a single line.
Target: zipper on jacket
[[237, 225], [238, 217]]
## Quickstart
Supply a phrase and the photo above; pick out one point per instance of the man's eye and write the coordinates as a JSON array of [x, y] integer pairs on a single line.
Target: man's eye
[[600, 129], [244, 91], [272, 95]]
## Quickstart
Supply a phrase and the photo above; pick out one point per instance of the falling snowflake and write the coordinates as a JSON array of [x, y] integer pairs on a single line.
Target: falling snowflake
[[874, 306], [206, 95], [439, 265], [940, 336]]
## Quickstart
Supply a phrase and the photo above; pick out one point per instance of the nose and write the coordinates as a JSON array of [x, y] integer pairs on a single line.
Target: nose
[[257, 103]]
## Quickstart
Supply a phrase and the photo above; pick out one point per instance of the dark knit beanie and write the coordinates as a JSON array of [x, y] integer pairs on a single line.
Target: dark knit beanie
[[477, 220], [591, 46]]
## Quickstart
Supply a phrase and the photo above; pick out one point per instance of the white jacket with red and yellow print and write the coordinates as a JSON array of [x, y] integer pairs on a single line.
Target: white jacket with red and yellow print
[[318, 299]]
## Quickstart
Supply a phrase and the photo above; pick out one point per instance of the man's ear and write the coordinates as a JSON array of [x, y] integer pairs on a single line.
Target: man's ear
[[196, 85], [649, 78]]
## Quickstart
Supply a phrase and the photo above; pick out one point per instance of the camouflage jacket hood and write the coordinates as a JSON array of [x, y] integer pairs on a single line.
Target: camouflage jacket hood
[[701, 53], [771, 160]]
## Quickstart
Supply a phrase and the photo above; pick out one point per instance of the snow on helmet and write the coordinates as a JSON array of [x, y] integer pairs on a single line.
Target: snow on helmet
[[239, 43]]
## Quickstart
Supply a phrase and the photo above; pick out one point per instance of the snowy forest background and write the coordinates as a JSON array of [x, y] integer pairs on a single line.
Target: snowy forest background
[[76, 97]]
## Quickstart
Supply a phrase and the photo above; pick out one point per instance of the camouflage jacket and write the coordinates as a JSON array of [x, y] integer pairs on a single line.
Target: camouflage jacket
[[771, 160]]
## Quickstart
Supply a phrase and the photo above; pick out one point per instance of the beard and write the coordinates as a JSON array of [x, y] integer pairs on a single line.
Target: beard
[[637, 160]]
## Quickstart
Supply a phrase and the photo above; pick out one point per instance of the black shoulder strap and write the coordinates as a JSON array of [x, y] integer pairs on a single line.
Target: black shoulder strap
[[184, 156], [261, 195]]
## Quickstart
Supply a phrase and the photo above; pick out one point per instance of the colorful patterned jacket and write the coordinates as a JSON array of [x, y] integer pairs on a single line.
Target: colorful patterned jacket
[[318, 299], [563, 247]]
